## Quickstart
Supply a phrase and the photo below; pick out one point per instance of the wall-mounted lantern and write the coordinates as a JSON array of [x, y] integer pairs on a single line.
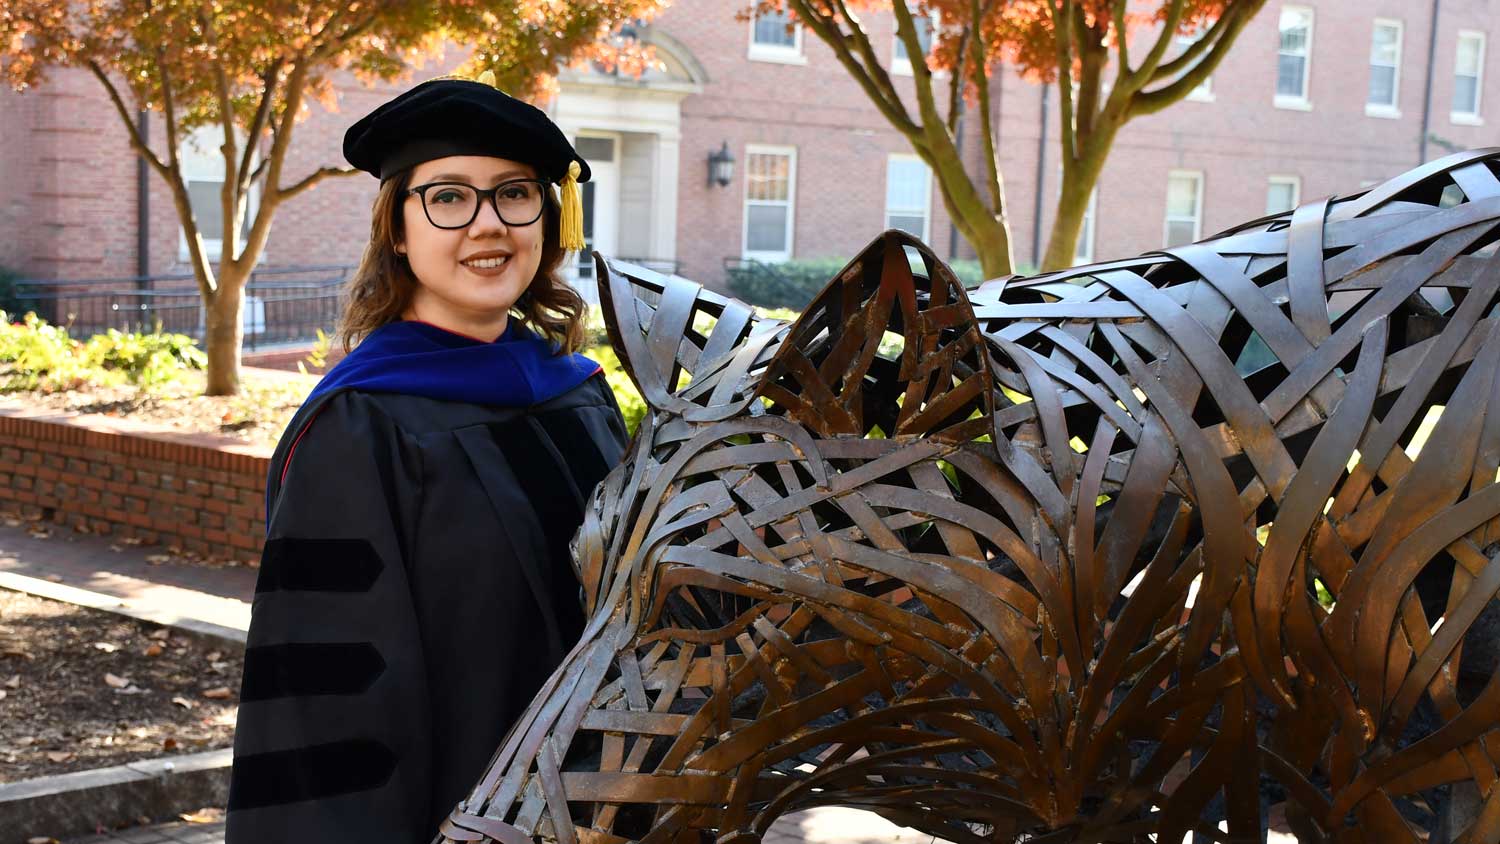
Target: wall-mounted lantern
[[721, 166]]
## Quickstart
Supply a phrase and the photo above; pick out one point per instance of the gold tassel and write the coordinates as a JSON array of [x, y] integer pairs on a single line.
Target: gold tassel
[[571, 235]]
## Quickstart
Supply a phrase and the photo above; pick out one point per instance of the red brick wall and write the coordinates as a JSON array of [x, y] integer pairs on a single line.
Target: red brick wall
[[59, 224], [202, 493]]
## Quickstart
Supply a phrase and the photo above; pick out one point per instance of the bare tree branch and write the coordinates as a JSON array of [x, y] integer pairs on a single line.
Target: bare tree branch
[[136, 141], [987, 127], [1134, 79], [884, 97], [283, 194], [1234, 22]]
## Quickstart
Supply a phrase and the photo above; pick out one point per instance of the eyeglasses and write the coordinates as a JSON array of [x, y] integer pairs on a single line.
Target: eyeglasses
[[454, 205]]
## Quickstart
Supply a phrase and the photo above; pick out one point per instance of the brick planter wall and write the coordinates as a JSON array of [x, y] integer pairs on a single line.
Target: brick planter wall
[[201, 492]]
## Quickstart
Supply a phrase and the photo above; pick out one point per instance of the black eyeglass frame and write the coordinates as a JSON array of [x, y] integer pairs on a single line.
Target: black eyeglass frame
[[480, 194]]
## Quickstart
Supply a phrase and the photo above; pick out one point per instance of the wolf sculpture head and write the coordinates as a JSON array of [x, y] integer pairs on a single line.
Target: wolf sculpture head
[[1115, 554]]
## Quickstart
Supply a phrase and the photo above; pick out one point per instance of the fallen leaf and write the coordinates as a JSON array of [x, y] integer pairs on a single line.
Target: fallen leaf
[[131, 690], [12, 522], [116, 682], [161, 634], [218, 693], [14, 682], [26, 741], [218, 667], [131, 540], [215, 656], [41, 839], [17, 653], [183, 702], [156, 559], [59, 755], [154, 650], [107, 647], [53, 578], [169, 743], [115, 548], [3, 693], [205, 815]]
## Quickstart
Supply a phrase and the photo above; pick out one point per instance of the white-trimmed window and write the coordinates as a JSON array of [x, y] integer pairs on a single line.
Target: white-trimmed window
[[770, 197], [900, 61], [1385, 69], [1083, 253], [908, 195], [775, 37], [1468, 77], [1283, 193], [1204, 92], [1294, 57], [1184, 220], [202, 164]]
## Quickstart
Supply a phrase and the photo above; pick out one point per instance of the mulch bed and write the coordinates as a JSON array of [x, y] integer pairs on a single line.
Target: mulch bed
[[82, 689], [257, 415]]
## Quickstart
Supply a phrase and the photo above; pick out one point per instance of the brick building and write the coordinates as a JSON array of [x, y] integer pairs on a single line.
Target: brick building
[[1317, 97]]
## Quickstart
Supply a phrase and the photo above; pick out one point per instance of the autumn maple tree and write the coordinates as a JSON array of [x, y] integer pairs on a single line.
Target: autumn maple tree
[[252, 68], [1111, 60]]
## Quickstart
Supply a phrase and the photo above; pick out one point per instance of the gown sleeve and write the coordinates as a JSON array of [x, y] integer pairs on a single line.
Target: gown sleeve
[[331, 744]]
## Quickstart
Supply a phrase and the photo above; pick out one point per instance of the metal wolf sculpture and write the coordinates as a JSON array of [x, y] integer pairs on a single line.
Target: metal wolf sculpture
[[1117, 554]]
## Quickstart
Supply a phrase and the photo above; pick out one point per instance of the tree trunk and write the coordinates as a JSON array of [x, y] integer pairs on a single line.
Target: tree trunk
[[992, 243], [224, 331], [1078, 183]]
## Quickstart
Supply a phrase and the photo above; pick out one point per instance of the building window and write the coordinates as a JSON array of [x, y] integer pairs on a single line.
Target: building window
[[1468, 76], [1184, 221], [1293, 58], [770, 192], [202, 164], [775, 37], [908, 195], [1083, 253], [900, 61], [1385, 69], [1204, 92], [1283, 194]]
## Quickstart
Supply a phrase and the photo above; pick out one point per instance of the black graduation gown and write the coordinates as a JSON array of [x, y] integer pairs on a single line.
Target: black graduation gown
[[415, 591]]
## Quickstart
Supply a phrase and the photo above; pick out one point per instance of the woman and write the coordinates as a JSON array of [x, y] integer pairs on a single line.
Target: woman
[[416, 587]]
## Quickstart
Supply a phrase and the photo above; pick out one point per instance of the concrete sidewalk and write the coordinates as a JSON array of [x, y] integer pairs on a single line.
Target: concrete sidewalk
[[85, 569]]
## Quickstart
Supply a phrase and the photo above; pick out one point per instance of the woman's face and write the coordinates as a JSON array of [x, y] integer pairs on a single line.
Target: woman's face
[[468, 278]]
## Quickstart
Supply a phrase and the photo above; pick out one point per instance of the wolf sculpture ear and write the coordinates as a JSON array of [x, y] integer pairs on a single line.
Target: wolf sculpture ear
[[884, 347], [690, 351]]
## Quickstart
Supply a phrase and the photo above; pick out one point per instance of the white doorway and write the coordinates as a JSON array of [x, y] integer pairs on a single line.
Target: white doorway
[[601, 204]]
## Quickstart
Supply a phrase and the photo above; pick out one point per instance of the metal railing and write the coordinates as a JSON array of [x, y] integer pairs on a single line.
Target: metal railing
[[282, 305]]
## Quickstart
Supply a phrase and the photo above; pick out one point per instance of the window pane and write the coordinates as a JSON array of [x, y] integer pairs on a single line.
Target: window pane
[[767, 229], [1084, 251], [1382, 86], [1281, 196], [771, 28], [1294, 26], [1383, 48], [924, 37], [1466, 95], [207, 209], [909, 223], [1179, 232], [906, 184], [1290, 72], [768, 175], [1468, 55], [1182, 196]]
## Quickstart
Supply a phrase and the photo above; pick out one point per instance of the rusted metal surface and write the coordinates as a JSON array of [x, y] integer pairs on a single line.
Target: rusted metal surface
[[1139, 549]]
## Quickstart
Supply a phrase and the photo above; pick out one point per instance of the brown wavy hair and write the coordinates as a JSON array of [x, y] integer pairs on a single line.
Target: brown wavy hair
[[383, 284]]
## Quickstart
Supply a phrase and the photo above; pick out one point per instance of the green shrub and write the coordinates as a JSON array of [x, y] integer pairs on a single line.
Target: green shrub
[[43, 357], [793, 284]]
